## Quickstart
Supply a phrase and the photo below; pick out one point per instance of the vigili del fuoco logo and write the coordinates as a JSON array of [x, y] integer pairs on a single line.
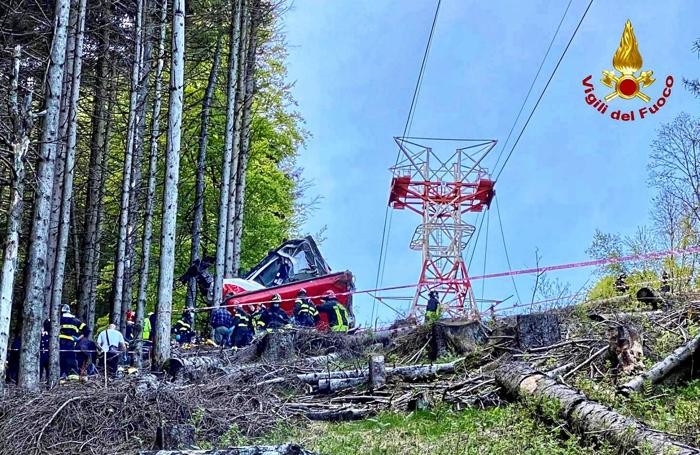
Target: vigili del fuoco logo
[[627, 82]]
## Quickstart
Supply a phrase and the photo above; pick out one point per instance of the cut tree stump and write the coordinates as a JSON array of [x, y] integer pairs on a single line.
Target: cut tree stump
[[180, 436], [626, 348], [377, 372], [648, 296], [681, 357], [276, 346], [537, 329], [286, 449], [456, 337], [585, 416]]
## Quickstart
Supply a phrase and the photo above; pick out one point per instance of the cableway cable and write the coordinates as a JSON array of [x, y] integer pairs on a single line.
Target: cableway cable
[[386, 230], [532, 85], [505, 248], [544, 90]]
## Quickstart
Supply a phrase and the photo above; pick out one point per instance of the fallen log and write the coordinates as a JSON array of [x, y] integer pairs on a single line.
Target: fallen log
[[335, 385], [410, 372], [338, 415], [586, 416], [622, 316], [658, 372], [193, 366], [286, 449]]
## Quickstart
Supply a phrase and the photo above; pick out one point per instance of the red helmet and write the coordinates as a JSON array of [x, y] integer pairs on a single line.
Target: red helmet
[[328, 295]]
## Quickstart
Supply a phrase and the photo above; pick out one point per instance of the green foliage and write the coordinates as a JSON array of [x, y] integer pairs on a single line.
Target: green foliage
[[603, 289], [503, 430]]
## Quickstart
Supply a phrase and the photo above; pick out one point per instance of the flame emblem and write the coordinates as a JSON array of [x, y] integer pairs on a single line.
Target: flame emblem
[[627, 61]]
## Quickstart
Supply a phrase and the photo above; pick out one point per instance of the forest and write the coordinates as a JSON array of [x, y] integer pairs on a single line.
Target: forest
[[135, 137]]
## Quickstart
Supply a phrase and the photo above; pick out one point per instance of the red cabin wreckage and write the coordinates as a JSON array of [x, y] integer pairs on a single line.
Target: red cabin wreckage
[[295, 265]]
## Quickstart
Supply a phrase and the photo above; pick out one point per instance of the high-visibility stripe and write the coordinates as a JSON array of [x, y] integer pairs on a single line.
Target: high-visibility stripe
[[66, 337], [70, 327]]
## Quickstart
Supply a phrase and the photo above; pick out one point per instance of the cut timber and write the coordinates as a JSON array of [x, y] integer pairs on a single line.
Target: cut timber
[[586, 416], [658, 372], [377, 372], [537, 329], [406, 372], [626, 350], [335, 385], [458, 337], [193, 366], [287, 449]]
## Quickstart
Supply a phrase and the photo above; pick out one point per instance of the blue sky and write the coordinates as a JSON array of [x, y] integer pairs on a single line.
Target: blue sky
[[355, 64]]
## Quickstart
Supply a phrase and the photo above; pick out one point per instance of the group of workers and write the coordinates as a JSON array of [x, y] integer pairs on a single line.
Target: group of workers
[[234, 325], [238, 327]]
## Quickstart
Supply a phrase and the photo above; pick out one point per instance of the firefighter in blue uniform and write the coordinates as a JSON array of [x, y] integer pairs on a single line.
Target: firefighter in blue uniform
[[184, 328], [305, 312], [72, 330], [275, 317], [242, 328]]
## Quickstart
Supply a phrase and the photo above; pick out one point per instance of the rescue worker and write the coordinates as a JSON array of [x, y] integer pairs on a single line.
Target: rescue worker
[[337, 314], [72, 330], [620, 284], [112, 344], [183, 328], [222, 322], [275, 317], [87, 357], [130, 319], [12, 373], [257, 315], [665, 287], [242, 328], [305, 312], [433, 310], [149, 325]]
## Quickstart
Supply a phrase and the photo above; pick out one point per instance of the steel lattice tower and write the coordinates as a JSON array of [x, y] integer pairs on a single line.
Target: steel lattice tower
[[442, 187]]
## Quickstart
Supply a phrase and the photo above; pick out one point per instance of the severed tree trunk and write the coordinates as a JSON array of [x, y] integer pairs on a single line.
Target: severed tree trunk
[[21, 122], [201, 163], [586, 416], [625, 348], [95, 186], [221, 231], [161, 345], [286, 449], [661, 370], [36, 261], [151, 185], [247, 117], [67, 190], [244, 26], [121, 259]]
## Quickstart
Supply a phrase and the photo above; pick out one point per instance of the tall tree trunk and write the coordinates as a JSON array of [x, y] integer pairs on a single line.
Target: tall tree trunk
[[121, 259], [67, 192], [201, 163], [240, 95], [60, 163], [36, 262], [247, 117], [95, 187], [228, 149], [136, 187], [161, 347], [152, 172], [21, 124]]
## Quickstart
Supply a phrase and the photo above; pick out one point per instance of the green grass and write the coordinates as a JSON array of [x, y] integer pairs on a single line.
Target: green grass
[[507, 430]]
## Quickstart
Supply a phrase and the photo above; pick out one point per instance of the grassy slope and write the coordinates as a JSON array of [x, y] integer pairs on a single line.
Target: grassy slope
[[507, 430]]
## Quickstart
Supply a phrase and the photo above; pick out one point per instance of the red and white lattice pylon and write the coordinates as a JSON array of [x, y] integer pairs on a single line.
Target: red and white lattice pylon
[[442, 185]]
